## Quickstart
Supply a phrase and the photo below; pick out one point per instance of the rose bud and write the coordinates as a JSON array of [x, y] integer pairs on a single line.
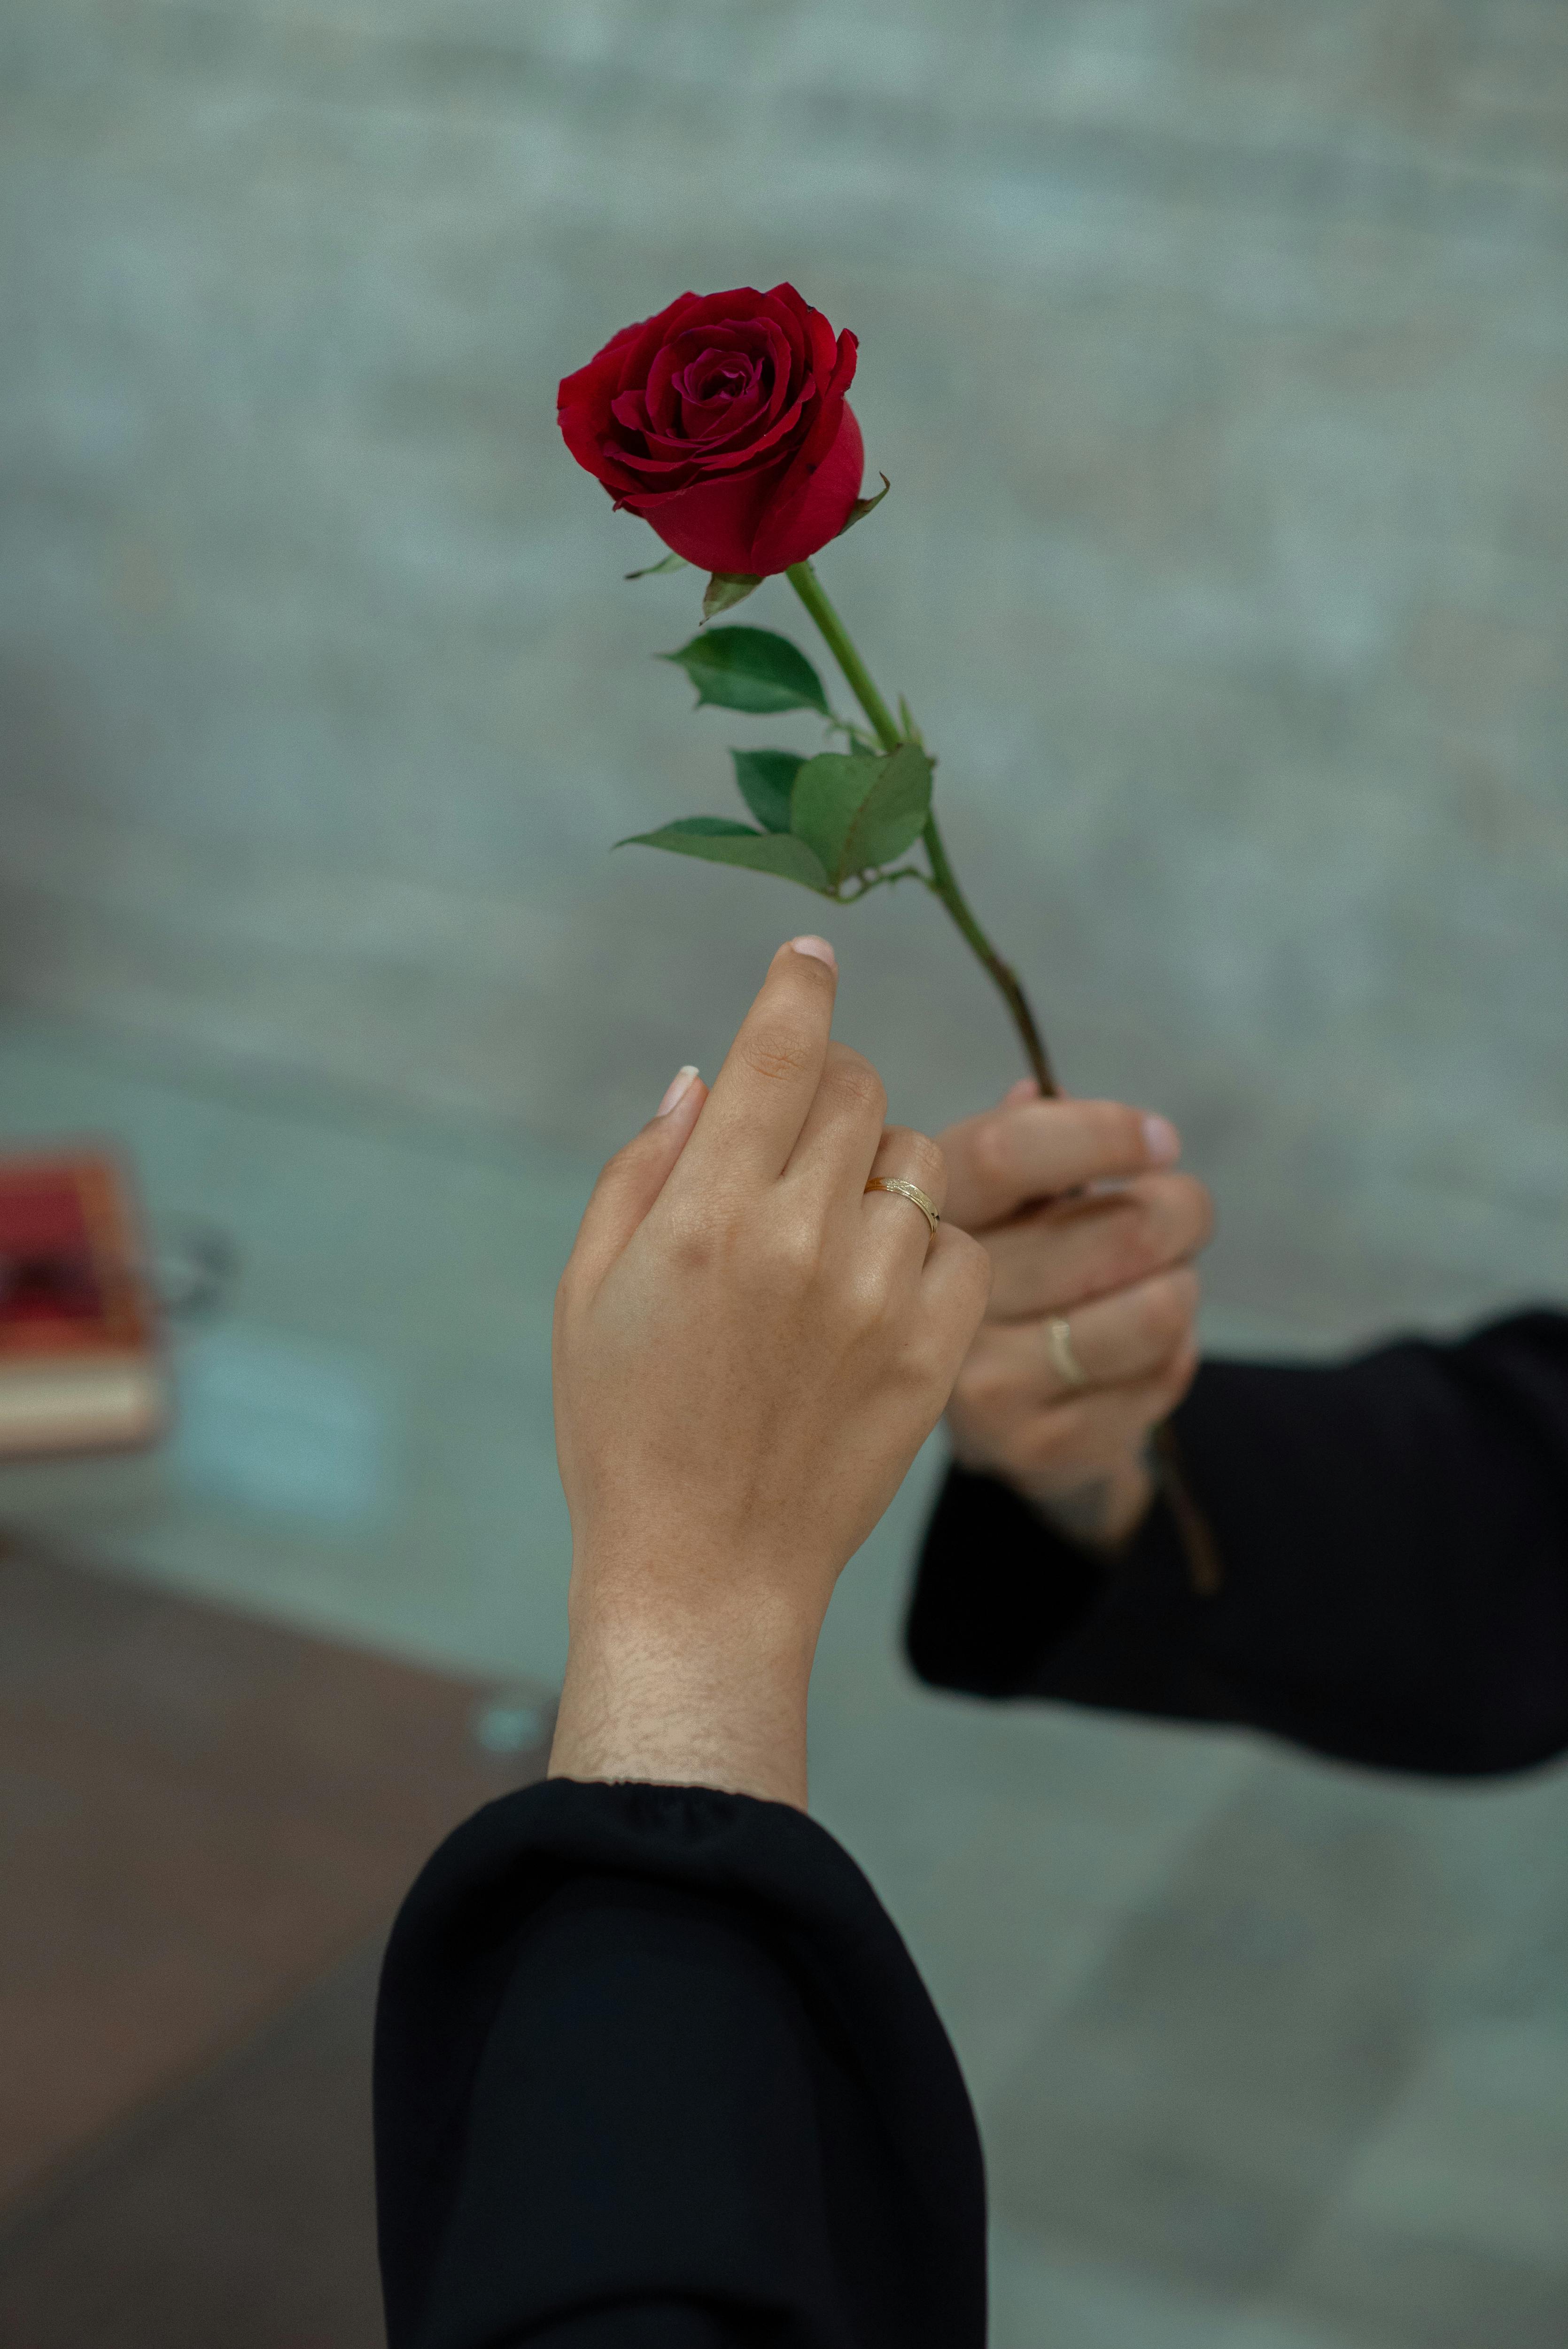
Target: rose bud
[[723, 423]]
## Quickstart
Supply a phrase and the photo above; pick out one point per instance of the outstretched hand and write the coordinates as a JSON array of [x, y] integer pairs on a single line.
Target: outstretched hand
[[1088, 1339], [750, 1350]]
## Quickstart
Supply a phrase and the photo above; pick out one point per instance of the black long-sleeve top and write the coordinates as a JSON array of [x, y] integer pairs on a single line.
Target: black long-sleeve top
[[653, 2069], [1394, 1538]]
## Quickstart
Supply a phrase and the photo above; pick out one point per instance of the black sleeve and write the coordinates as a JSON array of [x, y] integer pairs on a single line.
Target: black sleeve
[[653, 2069], [1394, 1538]]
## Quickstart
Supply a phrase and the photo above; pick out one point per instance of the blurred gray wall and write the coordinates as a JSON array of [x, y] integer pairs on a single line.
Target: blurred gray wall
[[1218, 354]]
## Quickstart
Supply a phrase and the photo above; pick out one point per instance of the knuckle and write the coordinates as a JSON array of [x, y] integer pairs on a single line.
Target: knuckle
[[708, 1229], [853, 1078], [1126, 1246], [777, 1052], [919, 1360], [915, 1155], [1185, 1206], [794, 1251], [1169, 1305], [694, 1241]]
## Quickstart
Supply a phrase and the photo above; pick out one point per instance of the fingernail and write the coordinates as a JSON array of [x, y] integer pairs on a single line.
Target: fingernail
[[1027, 1089], [679, 1084], [819, 947], [1161, 1140]]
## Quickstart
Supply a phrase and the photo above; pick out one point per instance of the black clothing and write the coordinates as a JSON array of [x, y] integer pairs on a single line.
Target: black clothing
[[1394, 1538], [653, 2069]]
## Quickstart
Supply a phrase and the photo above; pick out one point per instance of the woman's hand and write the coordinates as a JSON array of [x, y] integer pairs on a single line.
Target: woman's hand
[[750, 1350], [1089, 1230]]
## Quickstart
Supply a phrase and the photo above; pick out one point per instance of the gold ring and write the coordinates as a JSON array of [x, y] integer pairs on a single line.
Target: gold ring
[[911, 1191], [1064, 1355]]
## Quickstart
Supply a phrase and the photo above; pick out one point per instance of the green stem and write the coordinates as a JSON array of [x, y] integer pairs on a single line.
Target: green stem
[[1002, 976], [943, 880], [809, 588]]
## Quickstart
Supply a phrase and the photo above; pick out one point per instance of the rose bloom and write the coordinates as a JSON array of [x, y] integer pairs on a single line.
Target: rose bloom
[[723, 423]]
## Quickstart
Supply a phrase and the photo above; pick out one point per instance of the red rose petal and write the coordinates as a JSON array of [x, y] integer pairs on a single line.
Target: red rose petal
[[722, 418], [712, 522], [811, 507]]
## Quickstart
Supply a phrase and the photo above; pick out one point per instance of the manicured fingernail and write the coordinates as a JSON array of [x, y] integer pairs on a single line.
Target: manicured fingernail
[[818, 948], [1161, 1140], [679, 1084]]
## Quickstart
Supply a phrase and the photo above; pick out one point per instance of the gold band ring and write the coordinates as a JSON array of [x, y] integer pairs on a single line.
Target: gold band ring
[[1063, 1354], [910, 1191]]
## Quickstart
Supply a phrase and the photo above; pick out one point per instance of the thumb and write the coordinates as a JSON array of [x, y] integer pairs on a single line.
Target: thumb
[[633, 1178]]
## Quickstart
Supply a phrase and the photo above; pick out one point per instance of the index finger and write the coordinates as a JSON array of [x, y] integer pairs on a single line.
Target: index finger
[[1023, 1151], [762, 1096]]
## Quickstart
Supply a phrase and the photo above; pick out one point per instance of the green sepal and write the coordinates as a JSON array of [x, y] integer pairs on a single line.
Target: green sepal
[[727, 588], [670, 563], [749, 668], [714, 838], [863, 506], [856, 812], [765, 780]]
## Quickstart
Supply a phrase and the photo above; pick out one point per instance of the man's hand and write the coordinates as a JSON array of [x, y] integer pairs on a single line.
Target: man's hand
[[1088, 1339]]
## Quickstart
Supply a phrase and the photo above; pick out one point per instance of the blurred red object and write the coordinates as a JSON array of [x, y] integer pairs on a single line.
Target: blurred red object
[[81, 1369]]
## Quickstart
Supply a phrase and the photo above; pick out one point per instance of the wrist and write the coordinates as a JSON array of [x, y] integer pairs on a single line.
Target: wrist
[[708, 1692]]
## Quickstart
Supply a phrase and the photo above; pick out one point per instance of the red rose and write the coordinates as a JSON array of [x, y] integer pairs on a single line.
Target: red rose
[[723, 422]]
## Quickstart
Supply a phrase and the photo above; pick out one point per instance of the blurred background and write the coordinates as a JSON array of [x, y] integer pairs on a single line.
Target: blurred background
[[1217, 351]]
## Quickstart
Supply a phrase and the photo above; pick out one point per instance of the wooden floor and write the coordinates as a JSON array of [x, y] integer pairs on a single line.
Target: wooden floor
[[207, 1825]]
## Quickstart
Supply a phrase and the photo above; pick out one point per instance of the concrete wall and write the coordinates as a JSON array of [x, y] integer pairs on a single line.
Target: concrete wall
[[1218, 352]]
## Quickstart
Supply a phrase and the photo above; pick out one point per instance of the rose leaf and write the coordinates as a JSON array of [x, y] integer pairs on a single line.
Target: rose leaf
[[765, 780], [723, 843], [863, 506], [670, 563], [857, 811], [727, 587], [749, 668]]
